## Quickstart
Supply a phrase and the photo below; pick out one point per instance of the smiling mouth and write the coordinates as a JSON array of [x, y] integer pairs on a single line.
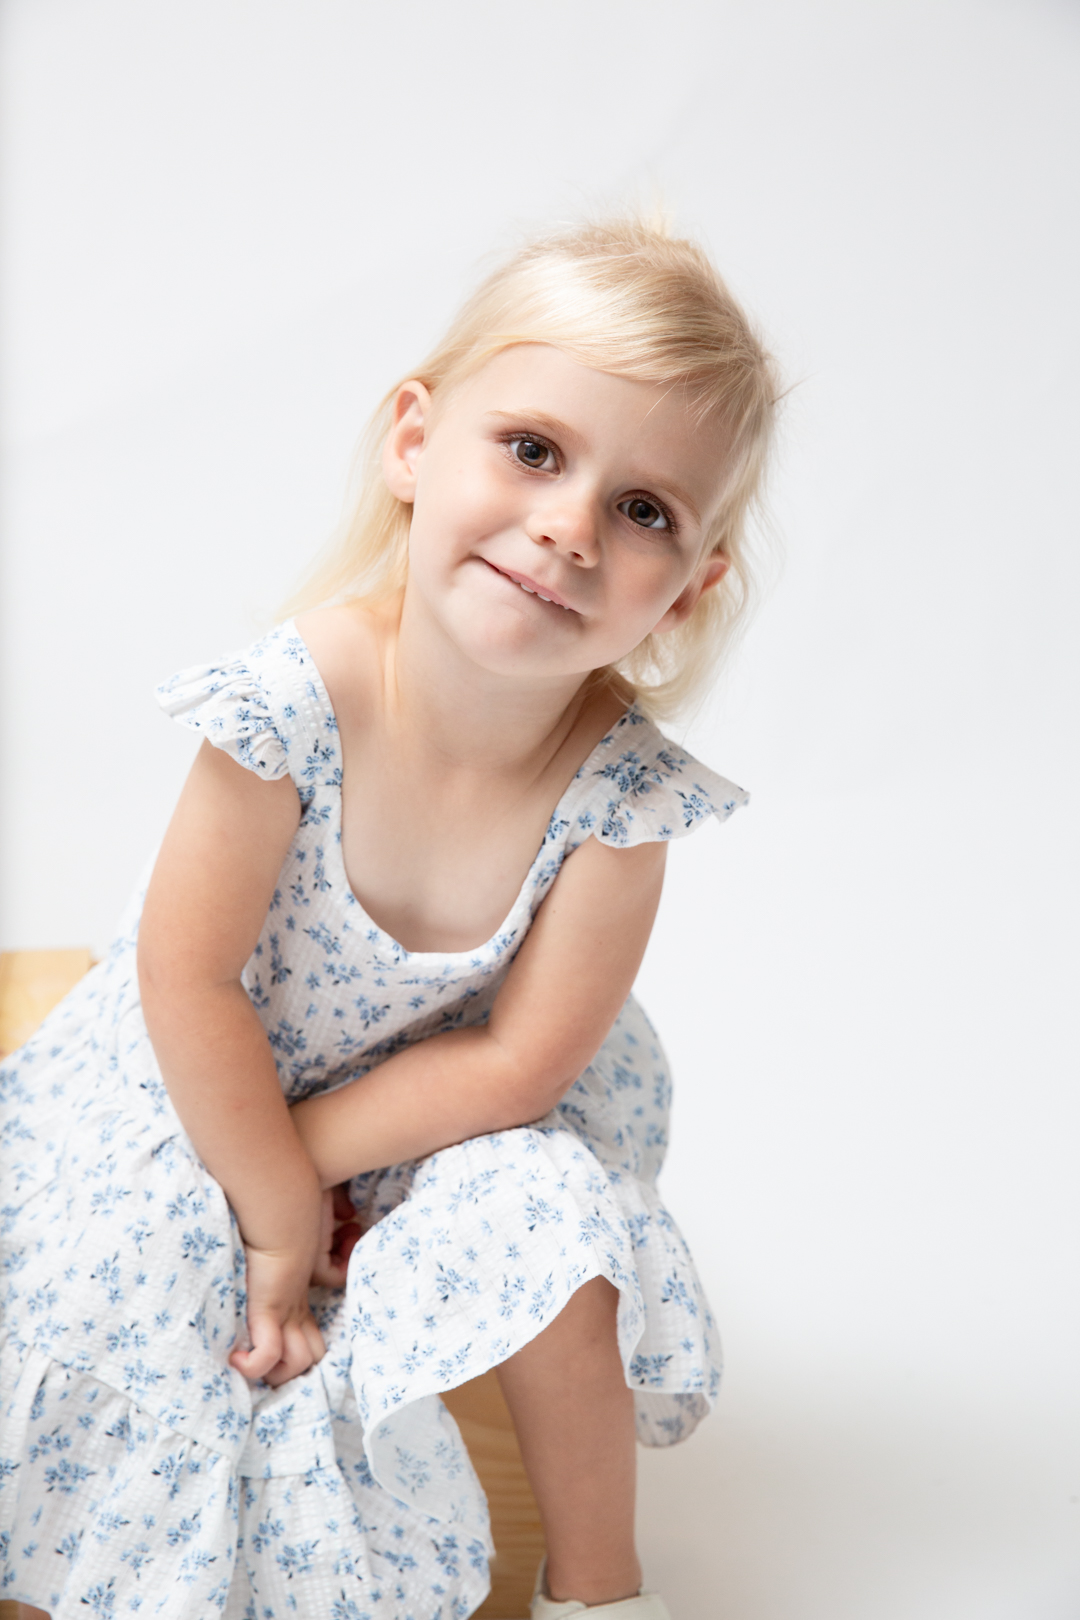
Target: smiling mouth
[[530, 587]]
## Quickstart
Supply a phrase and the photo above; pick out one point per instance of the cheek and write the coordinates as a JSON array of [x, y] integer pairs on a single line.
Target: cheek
[[459, 499], [648, 582]]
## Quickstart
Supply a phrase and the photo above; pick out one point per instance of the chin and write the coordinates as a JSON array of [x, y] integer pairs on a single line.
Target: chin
[[514, 649]]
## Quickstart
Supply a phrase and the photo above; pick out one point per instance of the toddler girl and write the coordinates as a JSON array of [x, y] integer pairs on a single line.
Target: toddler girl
[[380, 982]]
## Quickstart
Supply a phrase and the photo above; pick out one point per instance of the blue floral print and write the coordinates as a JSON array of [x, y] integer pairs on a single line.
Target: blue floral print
[[139, 1473]]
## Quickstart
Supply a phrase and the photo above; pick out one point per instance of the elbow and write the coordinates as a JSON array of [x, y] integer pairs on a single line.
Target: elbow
[[152, 971], [173, 982], [160, 973], [531, 1088]]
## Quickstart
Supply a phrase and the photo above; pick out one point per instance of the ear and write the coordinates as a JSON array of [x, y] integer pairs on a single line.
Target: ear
[[710, 573], [405, 440]]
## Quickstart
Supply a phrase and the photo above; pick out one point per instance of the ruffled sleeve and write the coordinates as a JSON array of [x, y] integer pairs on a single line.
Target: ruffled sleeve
[[228, 704], [648, 790]]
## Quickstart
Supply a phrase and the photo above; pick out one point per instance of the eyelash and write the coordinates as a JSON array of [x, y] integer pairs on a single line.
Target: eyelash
[[510, 439]]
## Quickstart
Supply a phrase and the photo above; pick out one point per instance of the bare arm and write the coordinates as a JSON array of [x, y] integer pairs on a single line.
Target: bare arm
[[560, 998], [206, 904]]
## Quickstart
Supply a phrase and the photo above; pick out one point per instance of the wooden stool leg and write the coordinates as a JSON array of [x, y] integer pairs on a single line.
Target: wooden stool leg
[[487, 1429]]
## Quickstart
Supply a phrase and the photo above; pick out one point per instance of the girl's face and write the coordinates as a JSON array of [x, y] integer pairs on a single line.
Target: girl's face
[[559, 513]]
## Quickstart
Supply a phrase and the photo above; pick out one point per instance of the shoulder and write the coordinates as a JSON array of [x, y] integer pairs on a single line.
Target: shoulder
[[348, 644]]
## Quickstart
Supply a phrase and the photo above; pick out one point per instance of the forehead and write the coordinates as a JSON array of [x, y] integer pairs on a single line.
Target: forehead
[[650, 427]]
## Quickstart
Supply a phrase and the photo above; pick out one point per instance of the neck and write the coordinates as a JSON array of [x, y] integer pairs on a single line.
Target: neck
[[476, 719]]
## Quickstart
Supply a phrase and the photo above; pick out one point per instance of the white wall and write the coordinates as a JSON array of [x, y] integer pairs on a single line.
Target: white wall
[[227, 226]]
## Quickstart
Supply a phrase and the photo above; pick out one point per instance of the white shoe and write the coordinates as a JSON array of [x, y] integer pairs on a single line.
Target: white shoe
[[646, 1606]]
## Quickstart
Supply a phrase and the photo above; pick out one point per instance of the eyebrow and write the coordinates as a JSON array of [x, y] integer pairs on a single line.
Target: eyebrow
[[550, 424], [563, 430]]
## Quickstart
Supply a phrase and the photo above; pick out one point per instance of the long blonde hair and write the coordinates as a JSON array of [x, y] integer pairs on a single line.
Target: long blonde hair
[[620, 296]]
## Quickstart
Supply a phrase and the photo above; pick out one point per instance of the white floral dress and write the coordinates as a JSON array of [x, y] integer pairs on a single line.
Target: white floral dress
[[140, 1474]]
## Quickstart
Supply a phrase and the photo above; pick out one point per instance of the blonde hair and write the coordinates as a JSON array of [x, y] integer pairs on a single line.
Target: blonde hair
[[620, 296]]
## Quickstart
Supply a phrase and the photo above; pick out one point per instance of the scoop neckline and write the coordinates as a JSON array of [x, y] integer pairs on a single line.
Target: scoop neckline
[[401, 951]]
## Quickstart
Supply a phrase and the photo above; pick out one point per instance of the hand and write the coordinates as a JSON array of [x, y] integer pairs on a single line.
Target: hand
[[339, 1236], [285, 1339]]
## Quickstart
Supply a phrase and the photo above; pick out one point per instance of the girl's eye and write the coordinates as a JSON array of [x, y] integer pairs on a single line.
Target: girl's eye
[[646, 514], [533, 453]]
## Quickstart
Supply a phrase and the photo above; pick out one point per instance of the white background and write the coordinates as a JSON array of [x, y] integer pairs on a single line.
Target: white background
[[227, 227]]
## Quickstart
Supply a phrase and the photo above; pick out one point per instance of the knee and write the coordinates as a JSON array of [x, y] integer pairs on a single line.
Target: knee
[[596, 1301], [579, 1346], [587, 1322]]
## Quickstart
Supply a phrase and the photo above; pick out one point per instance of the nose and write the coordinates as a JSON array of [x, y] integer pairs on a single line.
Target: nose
[[569, 523]]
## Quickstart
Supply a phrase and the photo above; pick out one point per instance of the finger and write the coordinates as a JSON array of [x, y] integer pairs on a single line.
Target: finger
[[331, 1267], [254, 1364], [343, 1204], [266, 1348], [328, 1272], [281, 1374], [302, 1345], [291, 1363], [327, 1221], [345, 1240], [313, 1338]]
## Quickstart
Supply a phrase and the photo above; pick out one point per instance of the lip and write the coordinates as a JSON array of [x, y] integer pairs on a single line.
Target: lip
[[532, 586]]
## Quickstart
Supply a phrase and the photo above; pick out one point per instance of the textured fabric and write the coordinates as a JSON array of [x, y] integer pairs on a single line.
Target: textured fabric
[[138, 1472]]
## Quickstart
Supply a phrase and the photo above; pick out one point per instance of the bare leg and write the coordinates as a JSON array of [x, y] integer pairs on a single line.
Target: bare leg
[[574, 1418], [26, 1612]]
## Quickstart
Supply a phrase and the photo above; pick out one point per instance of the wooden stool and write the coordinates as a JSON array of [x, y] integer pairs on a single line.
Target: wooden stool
[[486, 1427], [31, 983]]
